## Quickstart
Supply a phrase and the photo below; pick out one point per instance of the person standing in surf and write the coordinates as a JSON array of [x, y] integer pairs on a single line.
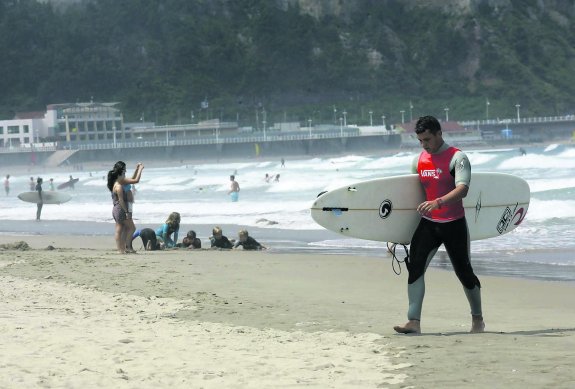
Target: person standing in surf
[[41, 202], [445, 173], [234, 191], [7, 184]]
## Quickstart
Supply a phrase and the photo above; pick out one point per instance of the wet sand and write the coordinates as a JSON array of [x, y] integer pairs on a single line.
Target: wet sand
[[77, 314]]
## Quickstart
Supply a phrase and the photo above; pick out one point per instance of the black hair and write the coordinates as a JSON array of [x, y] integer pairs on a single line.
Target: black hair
[[118, 169], [427, 123], [191, 234]]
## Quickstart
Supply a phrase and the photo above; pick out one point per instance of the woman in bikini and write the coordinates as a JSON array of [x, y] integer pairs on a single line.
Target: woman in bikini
[[124, 224]]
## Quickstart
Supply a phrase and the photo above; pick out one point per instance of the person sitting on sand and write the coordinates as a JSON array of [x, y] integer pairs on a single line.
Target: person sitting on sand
[[247, 242], [171, 226], [218, 240]]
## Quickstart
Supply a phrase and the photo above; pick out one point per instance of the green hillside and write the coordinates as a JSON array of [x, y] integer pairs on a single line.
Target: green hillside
[[162, 58]]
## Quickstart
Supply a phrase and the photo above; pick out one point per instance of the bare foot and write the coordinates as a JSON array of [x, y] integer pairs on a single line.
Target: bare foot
[[477, 324], [411, 327]]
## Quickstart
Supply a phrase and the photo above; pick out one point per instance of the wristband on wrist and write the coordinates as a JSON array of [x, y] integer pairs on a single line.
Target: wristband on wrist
[[439, 202]]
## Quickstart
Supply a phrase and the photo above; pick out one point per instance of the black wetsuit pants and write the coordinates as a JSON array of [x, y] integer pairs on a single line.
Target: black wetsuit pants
[[147, 234], [426, 240]]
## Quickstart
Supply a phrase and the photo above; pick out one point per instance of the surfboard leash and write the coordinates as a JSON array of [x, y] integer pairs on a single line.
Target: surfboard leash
[[396, 262]]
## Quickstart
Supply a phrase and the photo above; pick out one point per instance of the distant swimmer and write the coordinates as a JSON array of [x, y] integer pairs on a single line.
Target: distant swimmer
[[283, 163], [234, 191], [522, 151], [277, 179], [52, 187]]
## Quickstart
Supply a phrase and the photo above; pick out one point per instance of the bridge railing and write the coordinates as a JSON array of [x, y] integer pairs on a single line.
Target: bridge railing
[[526, 120]]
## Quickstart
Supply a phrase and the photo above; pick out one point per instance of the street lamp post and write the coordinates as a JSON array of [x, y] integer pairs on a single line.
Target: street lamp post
[[383, 121], [264, 123], [309, 127], [371, 118], [410, 111], [341, 126], [518, 118], [334, 114], [344, 118], [402, 116], [487, 104], [446, 114]]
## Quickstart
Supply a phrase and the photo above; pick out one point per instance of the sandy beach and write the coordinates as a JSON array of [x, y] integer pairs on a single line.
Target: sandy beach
[[75, 314]]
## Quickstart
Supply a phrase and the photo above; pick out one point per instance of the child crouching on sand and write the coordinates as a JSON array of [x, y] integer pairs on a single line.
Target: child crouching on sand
[[247, 242]]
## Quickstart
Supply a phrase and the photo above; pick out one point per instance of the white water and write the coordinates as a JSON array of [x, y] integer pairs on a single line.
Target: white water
[[199, 194]]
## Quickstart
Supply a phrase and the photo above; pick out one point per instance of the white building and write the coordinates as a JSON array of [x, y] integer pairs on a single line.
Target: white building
[[74, 122]]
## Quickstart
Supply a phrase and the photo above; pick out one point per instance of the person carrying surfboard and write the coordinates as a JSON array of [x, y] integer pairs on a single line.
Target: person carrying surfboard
[[40, 203], [445, 173]]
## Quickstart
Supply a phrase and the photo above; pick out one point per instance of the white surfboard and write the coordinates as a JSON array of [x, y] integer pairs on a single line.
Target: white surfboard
[[48, 196], [385, 209]]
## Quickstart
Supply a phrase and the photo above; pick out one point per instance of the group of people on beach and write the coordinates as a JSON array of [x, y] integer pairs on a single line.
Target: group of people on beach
[[442, 222], [165, 236]]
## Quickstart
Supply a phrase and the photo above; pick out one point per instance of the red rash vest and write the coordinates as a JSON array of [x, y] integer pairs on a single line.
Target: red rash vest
[[437, 181]]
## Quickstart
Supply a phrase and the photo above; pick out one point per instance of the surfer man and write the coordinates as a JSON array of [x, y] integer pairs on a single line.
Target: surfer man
[[445, 174], [71, 183], [234, 191], [41, 202]]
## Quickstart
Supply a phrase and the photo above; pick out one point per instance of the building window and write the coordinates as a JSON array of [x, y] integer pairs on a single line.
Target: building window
[[26, 129], [1, 130], [13, 129]]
